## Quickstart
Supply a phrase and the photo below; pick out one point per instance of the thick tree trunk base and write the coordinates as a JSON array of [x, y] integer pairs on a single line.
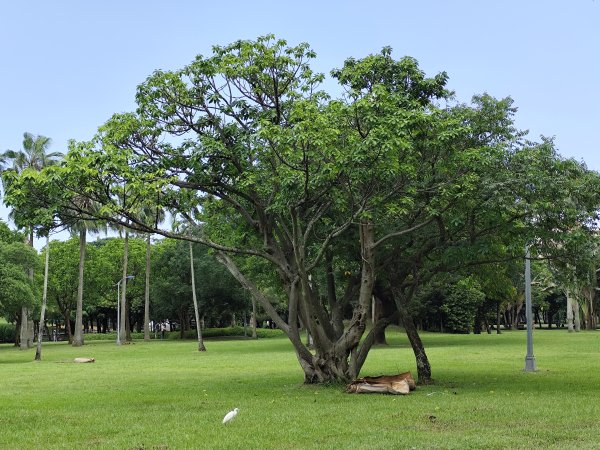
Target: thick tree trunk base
[[326, 371]]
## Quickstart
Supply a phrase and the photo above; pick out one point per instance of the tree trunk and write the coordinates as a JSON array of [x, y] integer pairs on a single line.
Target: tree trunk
[[147, 292], [122, 324], [423, 366], [68, 327], [38, 352], [128, 324], [330, 361], [379, 332], [517, 314], [17, 337], [338, 356], [26, 329], [201, 347], [78, 337], [23, 329], [335, 306], [356, 328], [327, 368], [569, 312], [253, 318], [590, 318], [576, 316]]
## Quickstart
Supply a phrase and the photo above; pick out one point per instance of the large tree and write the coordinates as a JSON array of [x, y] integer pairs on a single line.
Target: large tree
[[394, 178]]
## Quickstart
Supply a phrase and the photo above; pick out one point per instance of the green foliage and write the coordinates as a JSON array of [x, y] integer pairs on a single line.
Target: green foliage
[[7, 332], [34, 154], [7, 235], [16, 288], [461, 305], [111, 336], [33, 199], [104, 268], [219, 295]]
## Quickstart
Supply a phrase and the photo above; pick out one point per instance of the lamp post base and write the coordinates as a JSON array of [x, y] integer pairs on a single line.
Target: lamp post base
[[530, 365]]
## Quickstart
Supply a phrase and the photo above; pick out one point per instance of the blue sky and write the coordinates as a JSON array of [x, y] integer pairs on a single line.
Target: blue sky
[[67, 65]]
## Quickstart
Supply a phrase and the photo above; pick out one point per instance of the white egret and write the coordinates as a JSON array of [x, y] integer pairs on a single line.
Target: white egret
[[230, 415]]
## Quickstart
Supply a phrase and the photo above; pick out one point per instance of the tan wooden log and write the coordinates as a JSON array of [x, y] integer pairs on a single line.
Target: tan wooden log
[[84, 360], [398, 387], [386, 384]]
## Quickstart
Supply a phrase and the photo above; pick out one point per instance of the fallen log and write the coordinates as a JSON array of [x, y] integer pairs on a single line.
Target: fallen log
[[400, 384], [84, 360]]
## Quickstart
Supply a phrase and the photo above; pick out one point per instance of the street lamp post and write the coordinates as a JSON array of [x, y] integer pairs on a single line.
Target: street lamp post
[[530, 365], [128, 277]]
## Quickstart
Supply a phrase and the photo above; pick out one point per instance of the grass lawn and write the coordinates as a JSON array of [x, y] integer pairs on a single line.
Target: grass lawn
[[167, 395]]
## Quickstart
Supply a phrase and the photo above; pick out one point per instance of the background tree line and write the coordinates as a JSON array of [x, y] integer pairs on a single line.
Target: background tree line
[[222, 302], [489, 299]]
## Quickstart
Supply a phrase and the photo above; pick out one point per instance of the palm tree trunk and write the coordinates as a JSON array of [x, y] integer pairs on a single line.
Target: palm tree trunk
[[26, 335], [147, 293], [122, 324], [201, 347], [78, 336], [38, 352]]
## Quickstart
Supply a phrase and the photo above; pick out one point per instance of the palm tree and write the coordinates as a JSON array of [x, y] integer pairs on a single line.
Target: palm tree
[[123, 331], [82, 225], [201, 347], [151, 214], [177, 225], [38, 352], [33, 156], [123, 319], [156, 215]]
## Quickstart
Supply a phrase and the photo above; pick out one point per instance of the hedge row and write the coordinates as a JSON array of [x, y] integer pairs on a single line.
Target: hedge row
[[227, 332], [7, 333], [175, 335]]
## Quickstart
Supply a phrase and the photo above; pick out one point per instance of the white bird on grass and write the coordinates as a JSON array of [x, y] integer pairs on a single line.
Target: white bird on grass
[[230, 415]]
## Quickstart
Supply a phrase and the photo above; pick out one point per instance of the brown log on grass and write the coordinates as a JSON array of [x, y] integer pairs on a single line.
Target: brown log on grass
[[84, 360], [400, 384]]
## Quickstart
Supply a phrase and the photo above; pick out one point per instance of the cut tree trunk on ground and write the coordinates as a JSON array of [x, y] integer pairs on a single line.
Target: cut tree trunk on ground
[[400, 384], [84, 360]]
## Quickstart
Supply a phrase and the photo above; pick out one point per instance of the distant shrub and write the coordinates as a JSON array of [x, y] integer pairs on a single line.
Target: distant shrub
[[7, 333], [461, 305], [226, 332], [112, 336]]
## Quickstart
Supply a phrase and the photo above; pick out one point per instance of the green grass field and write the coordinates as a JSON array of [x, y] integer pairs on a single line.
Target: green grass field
[[166, 395]]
